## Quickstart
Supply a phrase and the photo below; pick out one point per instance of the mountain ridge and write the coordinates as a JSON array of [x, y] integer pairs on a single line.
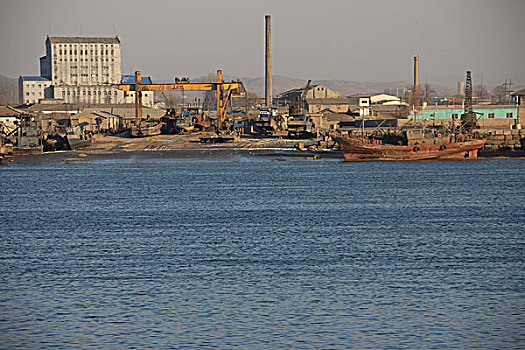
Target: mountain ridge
[[282, 83]]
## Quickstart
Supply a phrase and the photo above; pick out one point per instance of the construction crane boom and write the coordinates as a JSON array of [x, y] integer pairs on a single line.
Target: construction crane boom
[[230, 89], [180, 87]]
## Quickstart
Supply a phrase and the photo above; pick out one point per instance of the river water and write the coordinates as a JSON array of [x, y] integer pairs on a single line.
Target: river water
[[255, 253]]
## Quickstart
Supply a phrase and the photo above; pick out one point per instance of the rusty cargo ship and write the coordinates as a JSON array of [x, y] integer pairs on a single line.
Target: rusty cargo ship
[[411, 145]]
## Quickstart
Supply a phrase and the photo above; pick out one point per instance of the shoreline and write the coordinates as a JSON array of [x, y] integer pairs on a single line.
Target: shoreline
[[80, 156], [189, 146]]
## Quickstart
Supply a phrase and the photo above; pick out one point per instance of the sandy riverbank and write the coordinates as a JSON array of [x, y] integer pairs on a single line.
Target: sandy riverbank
[[103, 144], [179, 146], [189, 146]]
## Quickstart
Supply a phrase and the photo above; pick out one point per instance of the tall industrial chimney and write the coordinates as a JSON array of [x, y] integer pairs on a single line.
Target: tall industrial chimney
[[416, 81], [461, 88], [268, 76]]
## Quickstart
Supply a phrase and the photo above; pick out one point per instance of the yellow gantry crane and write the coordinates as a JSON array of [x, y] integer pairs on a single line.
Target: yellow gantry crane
[[225, 91]]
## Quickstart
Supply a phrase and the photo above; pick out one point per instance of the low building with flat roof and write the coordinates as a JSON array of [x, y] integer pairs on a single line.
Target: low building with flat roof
[[34, 88], [455, 112], [491, 116]]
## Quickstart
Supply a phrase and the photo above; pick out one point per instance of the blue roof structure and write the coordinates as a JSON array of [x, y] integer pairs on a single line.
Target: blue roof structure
[[126, 79], [34, 78], [130, 79]]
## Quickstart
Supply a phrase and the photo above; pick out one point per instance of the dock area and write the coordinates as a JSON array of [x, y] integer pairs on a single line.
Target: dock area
[[115, 144], [188, 145]]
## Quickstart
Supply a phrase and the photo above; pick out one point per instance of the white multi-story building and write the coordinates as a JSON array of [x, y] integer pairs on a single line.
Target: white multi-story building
[[33, 88], [80, 70]]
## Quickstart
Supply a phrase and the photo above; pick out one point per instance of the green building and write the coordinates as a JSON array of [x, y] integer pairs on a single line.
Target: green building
[[483, 111]]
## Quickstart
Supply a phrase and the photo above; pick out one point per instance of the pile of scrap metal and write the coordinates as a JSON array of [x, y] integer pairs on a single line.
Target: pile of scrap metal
[[189, 120], [300, 127], [224, 92], [266, 124], [67, 136]]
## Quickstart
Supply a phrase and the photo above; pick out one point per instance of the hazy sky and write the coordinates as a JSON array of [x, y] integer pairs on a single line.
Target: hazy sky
[[321, 39]]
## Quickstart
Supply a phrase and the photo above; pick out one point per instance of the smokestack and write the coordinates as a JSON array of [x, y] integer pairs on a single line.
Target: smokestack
[[268, 76], [461, 88], [416, 81]]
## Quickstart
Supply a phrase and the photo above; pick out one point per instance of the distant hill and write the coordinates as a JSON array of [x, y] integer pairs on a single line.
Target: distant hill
[[283, 83], [8, 90], [4, 79]]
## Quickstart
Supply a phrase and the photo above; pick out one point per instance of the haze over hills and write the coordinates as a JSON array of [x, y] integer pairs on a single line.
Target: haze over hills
[[283, 83], [8, 90], [4, 79]]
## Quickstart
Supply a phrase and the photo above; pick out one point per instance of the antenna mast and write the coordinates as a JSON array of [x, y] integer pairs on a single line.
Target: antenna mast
[[468, 93], [468, 118]]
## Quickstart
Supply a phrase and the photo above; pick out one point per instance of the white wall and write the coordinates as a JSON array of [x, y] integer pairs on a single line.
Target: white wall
[[32, 91]]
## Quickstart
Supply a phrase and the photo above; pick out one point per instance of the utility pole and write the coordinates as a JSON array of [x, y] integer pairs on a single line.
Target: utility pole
[[481, 90], [508, 89]]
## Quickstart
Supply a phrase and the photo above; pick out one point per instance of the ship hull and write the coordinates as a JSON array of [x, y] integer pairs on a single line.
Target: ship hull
[[77, 143], [357, 150], [26, 151], [6, 150], [143, 131]]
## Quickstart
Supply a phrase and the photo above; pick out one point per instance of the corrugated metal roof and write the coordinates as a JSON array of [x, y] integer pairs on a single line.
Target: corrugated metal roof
[[296, 90], [475, 106], [130, 79], [83, 40], [328, 101], [7, 112], [34, 78], [105, 114]]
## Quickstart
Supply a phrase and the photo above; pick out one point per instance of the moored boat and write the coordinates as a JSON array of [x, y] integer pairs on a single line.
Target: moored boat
[[29, 137], [146, 129], [409, 145], [76, 137]]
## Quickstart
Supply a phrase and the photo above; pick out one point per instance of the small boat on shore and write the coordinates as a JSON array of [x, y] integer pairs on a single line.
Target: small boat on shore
[[76, 138], [29, 137], [414, 144], [146, 128], [219, 138]]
